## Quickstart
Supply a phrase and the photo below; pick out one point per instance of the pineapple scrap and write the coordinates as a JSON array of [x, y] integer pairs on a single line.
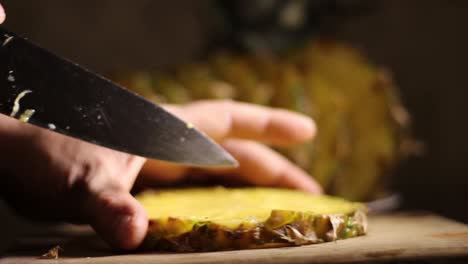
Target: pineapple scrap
[[16, 104], [51, 126], [53, 253], [26, 115]]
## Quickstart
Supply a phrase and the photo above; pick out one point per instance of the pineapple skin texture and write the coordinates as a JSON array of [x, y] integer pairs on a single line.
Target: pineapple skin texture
[[361, 122], [282, 228]]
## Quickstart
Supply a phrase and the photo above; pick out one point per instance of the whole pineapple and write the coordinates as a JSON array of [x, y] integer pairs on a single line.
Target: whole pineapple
[[361, 122]]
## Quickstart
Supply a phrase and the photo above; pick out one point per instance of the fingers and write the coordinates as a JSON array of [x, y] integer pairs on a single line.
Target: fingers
[[115, 215], [161, 171], [103, 194], [228, 119], [118, 218], [2, 14], [259, 165], [262, 166], [225, 120]]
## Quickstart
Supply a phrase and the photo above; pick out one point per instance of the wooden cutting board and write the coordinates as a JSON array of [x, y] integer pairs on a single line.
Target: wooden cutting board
[[397, 237]]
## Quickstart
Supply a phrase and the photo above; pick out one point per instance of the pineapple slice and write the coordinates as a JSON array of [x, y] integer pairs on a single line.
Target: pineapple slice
[[211, 219]]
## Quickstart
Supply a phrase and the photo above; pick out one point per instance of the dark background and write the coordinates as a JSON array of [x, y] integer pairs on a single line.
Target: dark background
[[424, 43]]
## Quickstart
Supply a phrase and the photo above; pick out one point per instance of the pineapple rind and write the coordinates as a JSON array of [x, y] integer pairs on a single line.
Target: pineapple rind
[[281, 228], [306, 228]]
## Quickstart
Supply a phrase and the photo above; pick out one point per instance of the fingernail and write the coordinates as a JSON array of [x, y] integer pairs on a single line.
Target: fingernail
[[121, 221], [310, 126], [318, 189], [120, 227], [313, 188]]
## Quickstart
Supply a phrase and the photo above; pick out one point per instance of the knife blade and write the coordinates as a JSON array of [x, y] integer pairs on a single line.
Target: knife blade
[[45, 90]]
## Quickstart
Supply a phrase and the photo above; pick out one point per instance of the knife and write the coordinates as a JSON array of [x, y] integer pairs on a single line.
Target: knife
[[45, 90]]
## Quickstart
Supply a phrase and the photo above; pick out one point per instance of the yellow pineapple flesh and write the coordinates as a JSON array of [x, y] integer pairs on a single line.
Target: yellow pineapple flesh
[[210, 219]]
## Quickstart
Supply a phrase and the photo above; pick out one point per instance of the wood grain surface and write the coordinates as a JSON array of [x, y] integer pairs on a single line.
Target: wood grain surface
[[402, 238]]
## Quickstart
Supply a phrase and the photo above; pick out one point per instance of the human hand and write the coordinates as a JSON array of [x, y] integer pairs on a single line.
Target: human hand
[[2, 14], [53, 177], [50, 177], [241, 129]]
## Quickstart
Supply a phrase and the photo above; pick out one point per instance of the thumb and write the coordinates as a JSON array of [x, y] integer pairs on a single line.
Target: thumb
[[118, 218]]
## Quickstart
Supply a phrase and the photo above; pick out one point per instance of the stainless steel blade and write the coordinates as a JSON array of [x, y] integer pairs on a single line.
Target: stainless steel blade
[[71, 100]]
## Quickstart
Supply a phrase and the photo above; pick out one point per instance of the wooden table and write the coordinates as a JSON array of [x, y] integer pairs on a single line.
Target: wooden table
[[396, 238]]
